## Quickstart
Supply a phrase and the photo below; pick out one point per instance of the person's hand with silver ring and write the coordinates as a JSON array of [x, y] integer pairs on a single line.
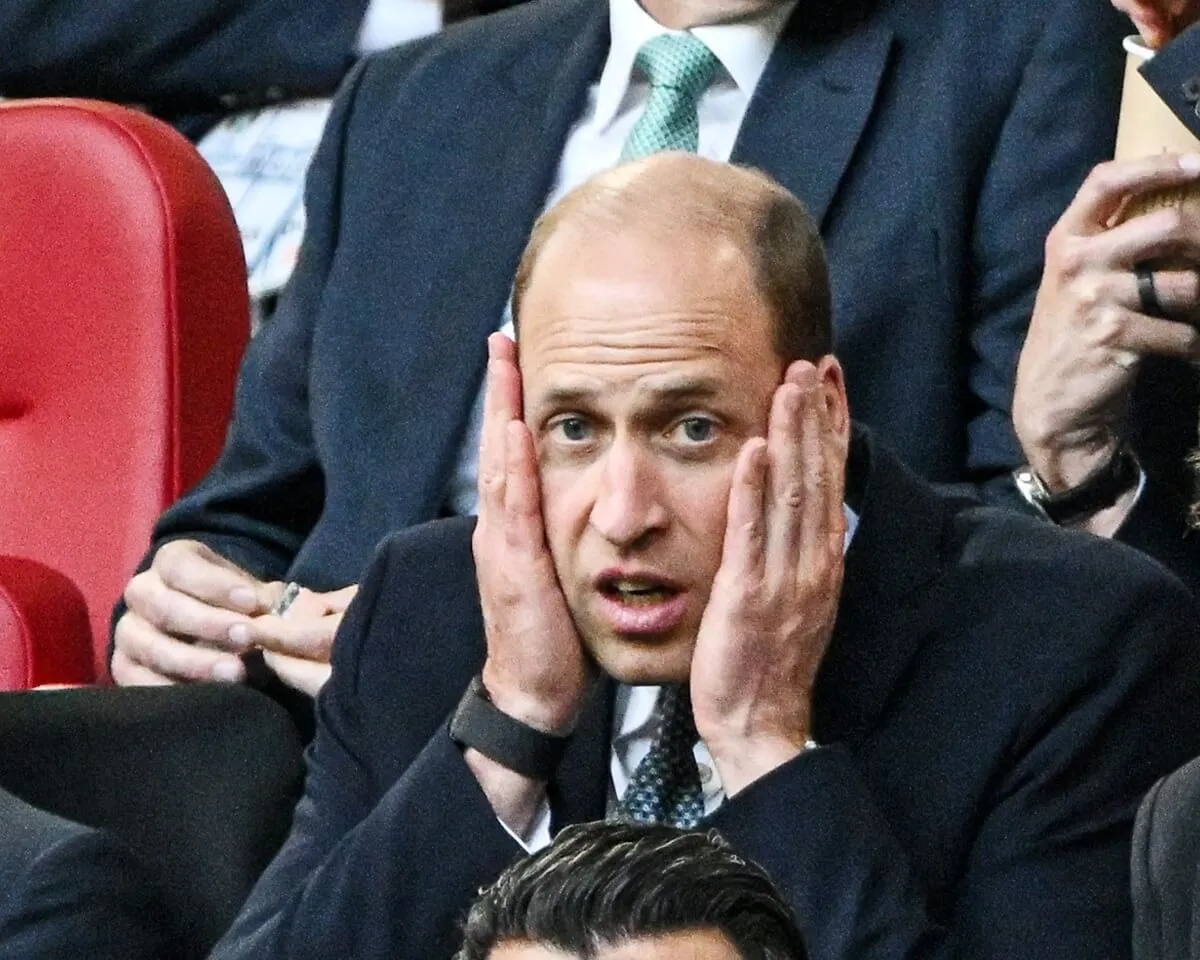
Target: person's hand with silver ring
[[1112, 292]]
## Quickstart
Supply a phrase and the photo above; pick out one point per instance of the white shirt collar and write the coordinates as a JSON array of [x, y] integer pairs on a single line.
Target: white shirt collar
[[633, 710], [743, 49]]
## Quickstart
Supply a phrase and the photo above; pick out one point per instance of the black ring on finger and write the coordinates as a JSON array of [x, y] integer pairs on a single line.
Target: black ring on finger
[[1148, 293]]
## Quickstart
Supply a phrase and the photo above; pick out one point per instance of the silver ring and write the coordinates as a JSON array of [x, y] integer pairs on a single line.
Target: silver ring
[[286, 599], [1148, 293]]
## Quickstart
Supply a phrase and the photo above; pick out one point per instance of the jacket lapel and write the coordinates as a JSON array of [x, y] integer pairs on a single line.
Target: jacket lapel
[[895, 556], [493, 184], [813, 102]]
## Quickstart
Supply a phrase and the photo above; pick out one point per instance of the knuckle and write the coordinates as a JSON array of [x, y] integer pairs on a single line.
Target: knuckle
[[1091, 291], [162, 610], [1072, 254], [136, 591], [1107, 328]]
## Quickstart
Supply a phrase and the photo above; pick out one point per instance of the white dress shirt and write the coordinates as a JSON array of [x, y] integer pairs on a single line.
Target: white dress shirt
[[389, 23], [614, 105]]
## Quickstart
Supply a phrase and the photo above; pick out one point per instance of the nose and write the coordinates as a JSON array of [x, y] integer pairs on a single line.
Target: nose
[[628, 509]]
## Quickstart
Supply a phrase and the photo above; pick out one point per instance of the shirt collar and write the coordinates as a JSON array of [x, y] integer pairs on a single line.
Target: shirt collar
[[743, 49]]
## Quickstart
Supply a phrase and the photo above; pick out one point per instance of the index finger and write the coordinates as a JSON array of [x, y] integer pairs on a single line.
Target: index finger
[[501, 405], [196, 570], [310, 638], [1110, 184]]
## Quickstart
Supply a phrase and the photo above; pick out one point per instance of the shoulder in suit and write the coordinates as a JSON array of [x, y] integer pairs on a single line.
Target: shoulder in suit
[[68, 890], [992, 708]]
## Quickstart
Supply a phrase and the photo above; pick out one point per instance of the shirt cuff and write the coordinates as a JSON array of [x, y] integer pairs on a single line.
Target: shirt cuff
[[537, 837], [392, 22]]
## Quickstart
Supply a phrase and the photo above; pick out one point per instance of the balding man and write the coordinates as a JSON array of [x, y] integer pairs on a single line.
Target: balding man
[[648, 622]]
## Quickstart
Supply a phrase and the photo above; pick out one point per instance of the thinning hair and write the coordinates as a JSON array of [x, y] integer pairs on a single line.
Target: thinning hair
[[600, 885], [675, 197]]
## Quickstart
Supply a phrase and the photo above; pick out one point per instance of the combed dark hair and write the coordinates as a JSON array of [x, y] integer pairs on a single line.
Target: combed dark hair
[[602, 884]]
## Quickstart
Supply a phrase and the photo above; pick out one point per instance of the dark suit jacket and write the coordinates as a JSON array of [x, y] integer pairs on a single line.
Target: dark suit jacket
[[1166, 869], [212, 56], [70, 891], [188, 62], [928, 138], [997, 697]]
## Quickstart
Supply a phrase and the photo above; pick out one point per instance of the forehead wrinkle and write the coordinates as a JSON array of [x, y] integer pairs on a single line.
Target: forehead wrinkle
[[648, 340]]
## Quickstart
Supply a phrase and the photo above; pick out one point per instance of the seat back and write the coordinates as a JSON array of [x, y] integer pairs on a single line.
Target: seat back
[[199, 781], [44, 630], [123, 319]]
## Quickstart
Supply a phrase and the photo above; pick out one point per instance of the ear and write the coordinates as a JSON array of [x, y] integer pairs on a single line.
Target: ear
[[833, 384]]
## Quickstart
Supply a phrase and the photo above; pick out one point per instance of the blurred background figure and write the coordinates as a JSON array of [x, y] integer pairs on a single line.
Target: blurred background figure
[[610, 891]]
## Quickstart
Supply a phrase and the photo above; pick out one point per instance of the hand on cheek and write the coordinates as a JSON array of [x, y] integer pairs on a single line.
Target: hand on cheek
[[774, 599], [536, 669]]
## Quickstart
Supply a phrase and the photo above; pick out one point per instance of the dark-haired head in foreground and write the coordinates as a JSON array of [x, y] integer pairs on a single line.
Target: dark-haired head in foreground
[[611, 891]]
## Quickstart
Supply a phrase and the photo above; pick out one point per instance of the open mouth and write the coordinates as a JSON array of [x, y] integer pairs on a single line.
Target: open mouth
[[637, 592]]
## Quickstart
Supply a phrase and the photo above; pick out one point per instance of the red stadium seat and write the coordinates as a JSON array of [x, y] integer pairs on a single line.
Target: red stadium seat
[[123, 319]]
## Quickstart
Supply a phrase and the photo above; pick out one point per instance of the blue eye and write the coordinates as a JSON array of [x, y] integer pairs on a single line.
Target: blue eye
[[698, 429], [574, 429]]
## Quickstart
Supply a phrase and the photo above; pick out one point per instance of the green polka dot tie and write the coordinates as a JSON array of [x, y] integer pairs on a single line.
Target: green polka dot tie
[[680, 68], [665, 787]]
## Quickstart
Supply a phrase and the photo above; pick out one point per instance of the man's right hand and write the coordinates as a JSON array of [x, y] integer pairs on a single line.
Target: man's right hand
[[180, 614], [1160, 21], [536, 669]]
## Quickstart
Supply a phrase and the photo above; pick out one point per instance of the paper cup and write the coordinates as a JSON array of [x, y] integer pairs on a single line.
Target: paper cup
[[1147, 127]]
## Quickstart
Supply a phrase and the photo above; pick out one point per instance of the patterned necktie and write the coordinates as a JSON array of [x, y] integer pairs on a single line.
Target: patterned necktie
[[665, 787], [680, 68]]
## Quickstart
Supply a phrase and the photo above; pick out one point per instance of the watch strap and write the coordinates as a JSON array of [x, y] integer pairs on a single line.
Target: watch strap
[[1101, 489], [480, 724]]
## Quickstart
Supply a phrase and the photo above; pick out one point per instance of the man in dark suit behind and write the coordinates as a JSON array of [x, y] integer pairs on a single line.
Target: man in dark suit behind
[[70, 891], [929, 139], [942, 759]]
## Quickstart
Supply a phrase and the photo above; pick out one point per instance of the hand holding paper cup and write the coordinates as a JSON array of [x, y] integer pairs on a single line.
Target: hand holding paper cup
[[1146, 128]]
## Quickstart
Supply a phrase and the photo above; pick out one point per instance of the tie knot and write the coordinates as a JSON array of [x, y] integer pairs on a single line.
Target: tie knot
[[678, 61]]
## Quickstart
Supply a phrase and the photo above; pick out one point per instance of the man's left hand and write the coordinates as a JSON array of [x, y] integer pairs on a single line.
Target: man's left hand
[[298, 645], [775, 597]]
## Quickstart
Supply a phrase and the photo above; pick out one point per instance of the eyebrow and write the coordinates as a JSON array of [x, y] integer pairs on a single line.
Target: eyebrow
[[675, 391]]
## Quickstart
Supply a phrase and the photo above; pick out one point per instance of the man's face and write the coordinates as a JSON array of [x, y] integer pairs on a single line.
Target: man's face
[[692, 945], [646, 366]]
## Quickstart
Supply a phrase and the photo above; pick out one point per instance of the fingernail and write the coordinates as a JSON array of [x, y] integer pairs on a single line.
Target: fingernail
[[243, 598], [239, 634], [227, 671], [1190, 162]]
